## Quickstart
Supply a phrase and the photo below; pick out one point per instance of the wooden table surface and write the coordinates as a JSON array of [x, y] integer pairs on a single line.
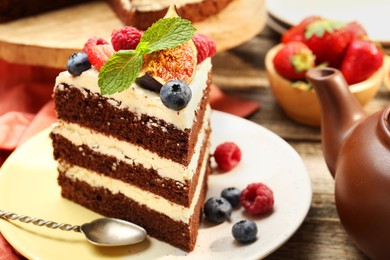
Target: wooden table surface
[[241, 72]]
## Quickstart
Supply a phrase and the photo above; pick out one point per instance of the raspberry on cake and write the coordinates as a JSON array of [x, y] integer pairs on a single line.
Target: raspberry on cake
[[130, 152]]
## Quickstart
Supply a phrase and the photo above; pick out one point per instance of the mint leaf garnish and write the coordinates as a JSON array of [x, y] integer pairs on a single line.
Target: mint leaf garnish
[[123, 67], [120, 71], [168, 33]]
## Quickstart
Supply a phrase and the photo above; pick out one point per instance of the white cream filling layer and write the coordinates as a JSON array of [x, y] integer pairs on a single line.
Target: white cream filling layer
[[129, 153], [152, 5], [142, 197], [143, 101]]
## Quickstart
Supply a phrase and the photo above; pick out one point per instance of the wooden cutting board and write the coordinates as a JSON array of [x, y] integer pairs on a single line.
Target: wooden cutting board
[[48, 39]]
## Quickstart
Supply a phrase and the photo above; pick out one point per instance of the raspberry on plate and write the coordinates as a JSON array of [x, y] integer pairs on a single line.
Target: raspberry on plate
[[227, 155], [257, 198], [126, 38]]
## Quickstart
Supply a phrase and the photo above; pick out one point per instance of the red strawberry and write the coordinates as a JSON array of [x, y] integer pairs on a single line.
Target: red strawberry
[[293, 60], [328, 40], [98, 54], [362, 59], [93, 41], [357, 31], [297, 32]]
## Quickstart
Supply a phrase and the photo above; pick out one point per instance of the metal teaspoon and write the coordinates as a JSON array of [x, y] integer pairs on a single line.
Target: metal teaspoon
[[100, 232]]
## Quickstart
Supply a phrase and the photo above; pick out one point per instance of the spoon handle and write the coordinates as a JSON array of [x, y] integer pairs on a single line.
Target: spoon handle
[[38, 222]]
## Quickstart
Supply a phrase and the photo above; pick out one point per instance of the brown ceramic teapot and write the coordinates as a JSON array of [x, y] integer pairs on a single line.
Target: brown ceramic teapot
[[357, 151]]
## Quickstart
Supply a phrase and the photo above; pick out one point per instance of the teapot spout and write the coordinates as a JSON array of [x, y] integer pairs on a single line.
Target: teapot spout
[[340, 111]]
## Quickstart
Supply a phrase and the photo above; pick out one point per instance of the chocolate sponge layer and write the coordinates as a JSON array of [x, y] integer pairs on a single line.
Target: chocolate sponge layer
[[135, 174], [177, 233], [97, 112]]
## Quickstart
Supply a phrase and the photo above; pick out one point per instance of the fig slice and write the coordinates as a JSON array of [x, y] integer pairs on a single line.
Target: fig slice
[[172, 64], [165, 65]]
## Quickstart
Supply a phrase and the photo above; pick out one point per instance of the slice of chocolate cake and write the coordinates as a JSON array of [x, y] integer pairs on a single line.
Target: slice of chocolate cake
[[134, 152]]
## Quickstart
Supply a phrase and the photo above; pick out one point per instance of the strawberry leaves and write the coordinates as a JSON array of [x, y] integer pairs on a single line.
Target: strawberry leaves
[[320, 27]]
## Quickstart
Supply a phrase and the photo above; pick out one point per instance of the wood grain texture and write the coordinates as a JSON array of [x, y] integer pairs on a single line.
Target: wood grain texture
[[48, 39]]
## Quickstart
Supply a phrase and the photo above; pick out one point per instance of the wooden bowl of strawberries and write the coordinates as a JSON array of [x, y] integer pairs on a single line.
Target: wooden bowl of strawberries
[[317, 41]]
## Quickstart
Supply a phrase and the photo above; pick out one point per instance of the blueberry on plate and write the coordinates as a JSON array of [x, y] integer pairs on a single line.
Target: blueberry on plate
[[78, 63], [232, 195], [175, 94], [245, 231], [217, 209]]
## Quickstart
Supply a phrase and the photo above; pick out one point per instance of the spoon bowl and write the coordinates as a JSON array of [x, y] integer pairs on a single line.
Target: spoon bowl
[[100, 232], [112, 232]]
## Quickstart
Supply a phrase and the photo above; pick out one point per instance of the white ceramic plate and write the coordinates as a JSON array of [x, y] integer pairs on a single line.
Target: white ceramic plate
[[28, 186], [374, 15]]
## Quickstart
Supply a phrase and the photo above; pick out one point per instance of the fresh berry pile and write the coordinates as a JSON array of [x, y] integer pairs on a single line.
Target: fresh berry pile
[[227, 156], [331, 43], [174, 93], [127, 38], [256, 199]]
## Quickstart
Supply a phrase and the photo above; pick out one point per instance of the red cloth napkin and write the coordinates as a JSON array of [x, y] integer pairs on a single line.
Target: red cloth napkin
[[26, 108], [230, 104]]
